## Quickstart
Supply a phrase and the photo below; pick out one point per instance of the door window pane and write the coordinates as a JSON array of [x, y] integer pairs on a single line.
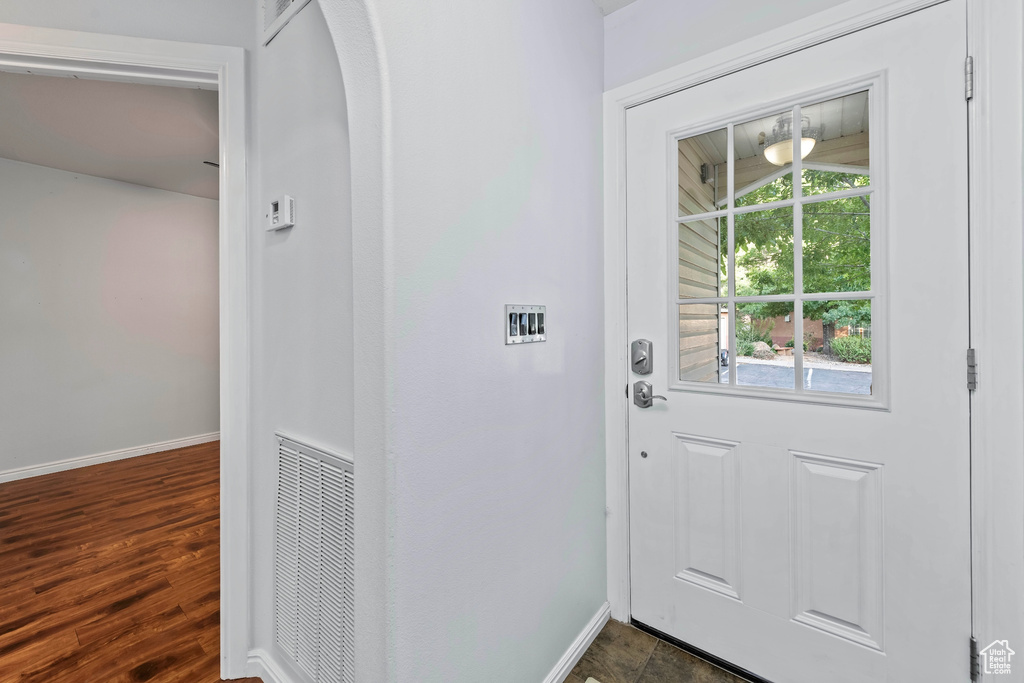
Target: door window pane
[[703, 334], [764, 345], [838, 341], [702, 246], [764, 252], [721, 292], [837, 245], [702, 181], [840, 157], [761, 174]]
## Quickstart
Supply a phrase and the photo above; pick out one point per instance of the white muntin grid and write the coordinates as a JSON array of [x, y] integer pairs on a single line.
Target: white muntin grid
[[879, 394]]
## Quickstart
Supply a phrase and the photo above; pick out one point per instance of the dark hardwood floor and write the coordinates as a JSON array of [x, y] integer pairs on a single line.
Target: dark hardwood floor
[[110, 573]]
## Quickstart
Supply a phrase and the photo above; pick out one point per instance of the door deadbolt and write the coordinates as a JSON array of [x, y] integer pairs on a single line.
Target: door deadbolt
[[640, 356], [643, 394]]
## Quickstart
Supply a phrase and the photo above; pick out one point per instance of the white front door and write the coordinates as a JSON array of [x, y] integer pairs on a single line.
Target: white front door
[[804, 514]]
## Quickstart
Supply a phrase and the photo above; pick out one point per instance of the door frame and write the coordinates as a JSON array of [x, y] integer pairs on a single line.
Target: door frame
[[213, 67], [997, 293]]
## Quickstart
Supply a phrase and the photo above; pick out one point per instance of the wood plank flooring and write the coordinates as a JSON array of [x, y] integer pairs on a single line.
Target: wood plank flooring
[[110, 573]]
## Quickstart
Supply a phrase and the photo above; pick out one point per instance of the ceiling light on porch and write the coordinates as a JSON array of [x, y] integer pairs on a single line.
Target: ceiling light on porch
[[778, 146]]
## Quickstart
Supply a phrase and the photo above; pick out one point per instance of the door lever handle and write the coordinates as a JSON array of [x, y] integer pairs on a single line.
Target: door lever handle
[[643, 394]]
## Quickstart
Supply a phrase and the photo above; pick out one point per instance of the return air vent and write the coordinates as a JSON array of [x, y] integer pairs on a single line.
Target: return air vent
[[277, 13], [314, 561]]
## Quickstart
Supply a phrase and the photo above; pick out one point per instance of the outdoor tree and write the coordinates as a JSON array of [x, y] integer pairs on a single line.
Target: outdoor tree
[[836, 250]]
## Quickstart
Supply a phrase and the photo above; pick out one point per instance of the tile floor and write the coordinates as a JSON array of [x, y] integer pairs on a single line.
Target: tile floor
[[624, 654]]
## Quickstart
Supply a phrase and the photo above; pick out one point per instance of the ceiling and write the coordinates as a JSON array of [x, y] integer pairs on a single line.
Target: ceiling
[[840, 117], [609, 6], [150, 135]]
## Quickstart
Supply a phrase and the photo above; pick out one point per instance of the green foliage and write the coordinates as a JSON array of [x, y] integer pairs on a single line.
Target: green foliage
[[790, 344], [852, 349], [744, 347], [754, 330], [842, 313], [836, 247]]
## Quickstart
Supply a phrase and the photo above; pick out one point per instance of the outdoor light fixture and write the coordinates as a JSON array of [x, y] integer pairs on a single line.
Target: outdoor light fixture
[[778, 146]]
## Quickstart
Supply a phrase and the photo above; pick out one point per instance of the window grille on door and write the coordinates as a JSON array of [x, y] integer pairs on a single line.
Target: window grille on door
[[776, 253]]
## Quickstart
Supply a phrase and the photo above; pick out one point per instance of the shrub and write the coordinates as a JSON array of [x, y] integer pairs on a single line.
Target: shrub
[[790, 344], [852, 349], [744, 347], [754, 331]]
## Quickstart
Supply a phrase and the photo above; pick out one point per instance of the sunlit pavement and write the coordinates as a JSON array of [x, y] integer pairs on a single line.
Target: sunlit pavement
[[816, 379]]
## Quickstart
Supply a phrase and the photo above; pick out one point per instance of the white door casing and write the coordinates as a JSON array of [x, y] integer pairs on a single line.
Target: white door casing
[[804, 540], [59, 52]]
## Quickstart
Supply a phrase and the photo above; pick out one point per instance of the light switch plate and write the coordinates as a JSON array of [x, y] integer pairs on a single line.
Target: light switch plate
[[525, 324]]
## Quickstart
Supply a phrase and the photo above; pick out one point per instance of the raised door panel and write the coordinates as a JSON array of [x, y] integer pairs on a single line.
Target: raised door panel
[[837, 547], [707, 513]]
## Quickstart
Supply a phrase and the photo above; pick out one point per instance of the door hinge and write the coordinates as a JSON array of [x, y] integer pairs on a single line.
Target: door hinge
[[972, 370], [969, 79], [975, 660]]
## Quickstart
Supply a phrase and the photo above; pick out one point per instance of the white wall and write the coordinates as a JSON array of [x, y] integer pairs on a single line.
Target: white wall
[[498, 551], [302, 355], [217, 22], [108, 297], [651, 35]]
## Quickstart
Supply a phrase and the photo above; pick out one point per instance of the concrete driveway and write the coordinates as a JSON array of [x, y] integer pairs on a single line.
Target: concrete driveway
[[817, 379]]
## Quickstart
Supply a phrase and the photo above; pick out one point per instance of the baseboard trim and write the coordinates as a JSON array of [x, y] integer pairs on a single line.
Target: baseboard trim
[[261, 665], [579, 646], [264, 665], [111, 456]]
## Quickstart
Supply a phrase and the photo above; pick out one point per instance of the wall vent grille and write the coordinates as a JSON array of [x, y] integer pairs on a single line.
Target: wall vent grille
[[277, 13], [314, 563]]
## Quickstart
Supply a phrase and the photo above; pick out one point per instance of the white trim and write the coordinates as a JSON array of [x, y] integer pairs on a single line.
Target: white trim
[[788, 168], [260, 664], [359, 42], [282, 20], [997, 323], [757, 184], [139, 60], [579, 646], [616, 380], [273, 666], [837, 168], [109, 456], [851, 16], [815, 29]]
